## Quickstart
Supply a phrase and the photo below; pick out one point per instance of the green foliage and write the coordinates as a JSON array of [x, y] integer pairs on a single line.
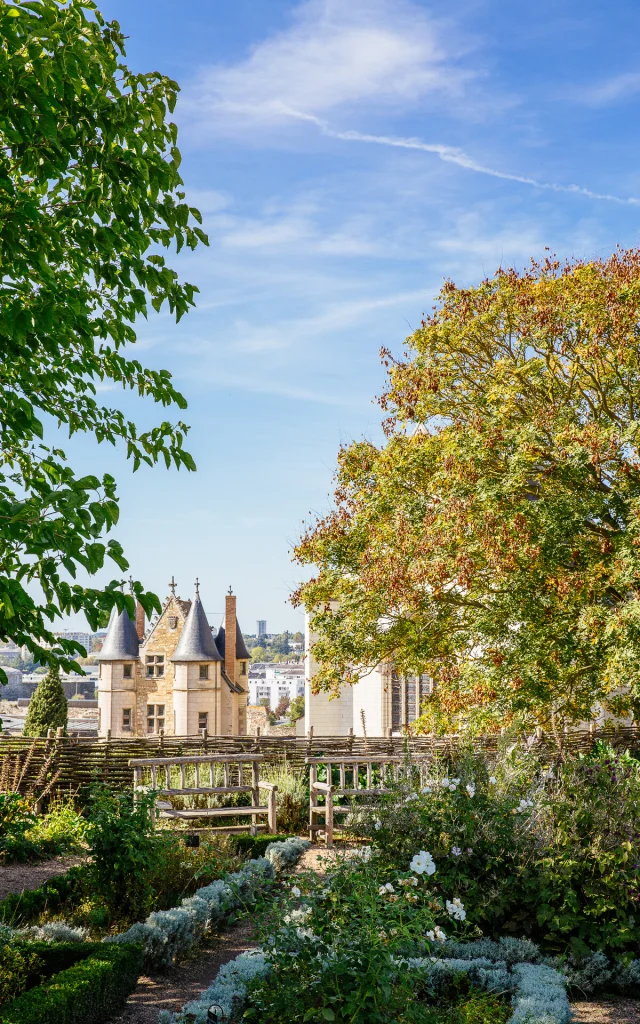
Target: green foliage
[[292, 797], [125, 851], [48, 707], [90, 193], [255, 846], [16, 967], [20, 908], [27, 836], [553, 853], [296, 710], [88, 993], [16, 819], [586, 890], [492, 540]]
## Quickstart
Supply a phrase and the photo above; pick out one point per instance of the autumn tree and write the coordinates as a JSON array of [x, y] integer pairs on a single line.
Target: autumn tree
[[90, 194], [493, 539]]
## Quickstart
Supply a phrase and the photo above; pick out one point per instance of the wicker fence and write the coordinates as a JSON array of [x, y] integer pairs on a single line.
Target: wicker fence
[[77, 761]]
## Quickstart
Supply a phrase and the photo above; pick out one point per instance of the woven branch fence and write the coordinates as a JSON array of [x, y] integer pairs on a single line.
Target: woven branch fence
[[78, 761]]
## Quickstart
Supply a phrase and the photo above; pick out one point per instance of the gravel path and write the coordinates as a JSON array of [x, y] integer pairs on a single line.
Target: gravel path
[[18, 877], [186, 980], [607, 1011]]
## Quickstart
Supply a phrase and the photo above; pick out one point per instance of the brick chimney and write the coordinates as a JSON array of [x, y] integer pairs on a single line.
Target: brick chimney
[[230, 636], [139, 620]]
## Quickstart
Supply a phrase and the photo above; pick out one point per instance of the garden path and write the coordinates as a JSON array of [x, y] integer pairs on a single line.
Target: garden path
[[607, 1011], [17, 877], [186, 980]]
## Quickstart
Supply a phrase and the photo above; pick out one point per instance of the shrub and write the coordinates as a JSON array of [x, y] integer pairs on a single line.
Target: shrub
[[166, 933], [16, 819], [48, 707], [256, 846], [125, 850], [16, 967], [87, 993], [292, 797]]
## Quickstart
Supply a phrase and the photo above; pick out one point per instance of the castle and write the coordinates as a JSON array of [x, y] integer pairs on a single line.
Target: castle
[[176, 678]]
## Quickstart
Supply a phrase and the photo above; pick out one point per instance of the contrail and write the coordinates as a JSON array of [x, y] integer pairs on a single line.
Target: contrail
[[452, 155]]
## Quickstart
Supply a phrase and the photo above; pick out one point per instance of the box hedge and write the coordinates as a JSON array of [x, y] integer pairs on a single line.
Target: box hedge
[[88, 992]]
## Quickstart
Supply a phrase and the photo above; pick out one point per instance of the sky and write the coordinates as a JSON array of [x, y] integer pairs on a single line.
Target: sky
[[347, 157]]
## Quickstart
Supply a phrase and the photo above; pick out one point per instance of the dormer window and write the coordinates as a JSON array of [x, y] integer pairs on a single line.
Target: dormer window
[[204, 671], [127, 671]]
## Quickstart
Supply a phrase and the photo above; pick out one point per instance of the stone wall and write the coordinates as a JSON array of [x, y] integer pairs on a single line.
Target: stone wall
[[162, 639], [257, 717]]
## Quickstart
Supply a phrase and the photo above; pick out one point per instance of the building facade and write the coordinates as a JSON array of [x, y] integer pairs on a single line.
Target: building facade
[[382, 701], [273, 681], [176, 678]]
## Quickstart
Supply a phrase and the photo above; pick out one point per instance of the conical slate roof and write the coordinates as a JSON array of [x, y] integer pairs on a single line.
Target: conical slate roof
[[121, 642], [241, 647], [196, 642]]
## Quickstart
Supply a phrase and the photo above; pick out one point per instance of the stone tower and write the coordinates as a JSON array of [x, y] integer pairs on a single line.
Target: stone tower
[[197, 677], [118, 661]]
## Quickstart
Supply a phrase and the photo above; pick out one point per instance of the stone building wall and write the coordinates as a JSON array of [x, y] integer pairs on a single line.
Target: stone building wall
[[162, 639]]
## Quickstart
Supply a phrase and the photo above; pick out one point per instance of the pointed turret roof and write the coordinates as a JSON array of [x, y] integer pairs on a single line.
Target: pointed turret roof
[[241, 647], [121, 642], [196, 641]]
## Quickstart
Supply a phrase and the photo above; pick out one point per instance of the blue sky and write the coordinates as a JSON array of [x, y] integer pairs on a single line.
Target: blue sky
[[347, 155]]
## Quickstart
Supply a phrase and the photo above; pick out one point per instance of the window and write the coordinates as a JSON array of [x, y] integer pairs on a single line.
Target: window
[[127, 671], [203, 720], [204, 672], [155, 665], [126, 717], [407, 696], [243, 668], [155, 718]]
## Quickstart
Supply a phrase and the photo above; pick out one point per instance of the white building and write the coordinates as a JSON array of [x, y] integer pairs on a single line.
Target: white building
[[381, 701], [275, 680]]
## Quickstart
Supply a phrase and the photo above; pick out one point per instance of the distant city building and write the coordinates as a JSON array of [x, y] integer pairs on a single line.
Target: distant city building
[[86, 639], [271, 681], [262, 628]]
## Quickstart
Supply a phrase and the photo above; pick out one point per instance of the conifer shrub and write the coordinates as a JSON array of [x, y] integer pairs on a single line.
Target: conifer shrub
[[48, 707]]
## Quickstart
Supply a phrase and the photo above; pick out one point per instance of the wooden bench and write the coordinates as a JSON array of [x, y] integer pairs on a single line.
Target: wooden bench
[[240, 774], [380, 772]]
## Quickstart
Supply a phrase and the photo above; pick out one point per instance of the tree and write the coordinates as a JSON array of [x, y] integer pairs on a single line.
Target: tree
[[89, 193], [296, 710], [493, 539], [48, 707], [281, 709]]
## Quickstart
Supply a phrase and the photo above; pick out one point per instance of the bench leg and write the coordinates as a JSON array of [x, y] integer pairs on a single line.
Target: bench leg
[[272, 814], [328, 817]]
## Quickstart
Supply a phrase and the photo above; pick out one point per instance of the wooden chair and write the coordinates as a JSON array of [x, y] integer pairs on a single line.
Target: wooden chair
[[348, 769], [233, 769]]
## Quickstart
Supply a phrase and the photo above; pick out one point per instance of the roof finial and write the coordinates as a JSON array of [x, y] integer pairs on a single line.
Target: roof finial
[[172, 586], [197, 585], [230, 591], [131, 584]]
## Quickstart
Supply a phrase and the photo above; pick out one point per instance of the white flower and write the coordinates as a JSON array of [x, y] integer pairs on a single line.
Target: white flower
[[307, 933], [297, 916], [362, 853], [385, 889], [455, 909], [377, 824], [412, 796], [426, 789], [382, 934], [524, 805], [456, 782], [471, 789], [295, 891], [423, 862], [468, 850], [456, 851], [452, 788], [492, 780], [436, 934], [445, 783]]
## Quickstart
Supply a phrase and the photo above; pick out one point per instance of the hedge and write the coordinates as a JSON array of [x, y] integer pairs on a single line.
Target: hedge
[[19, 908], [256, 846], [87, 993]]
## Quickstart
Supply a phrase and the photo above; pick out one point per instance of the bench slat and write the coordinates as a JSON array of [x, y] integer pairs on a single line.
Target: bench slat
[[211, 789], [196, 758], [212, 812]]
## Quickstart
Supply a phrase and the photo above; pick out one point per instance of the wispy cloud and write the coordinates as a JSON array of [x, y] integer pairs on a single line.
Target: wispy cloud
[[618, 87], [453, 155], [335, 54]]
